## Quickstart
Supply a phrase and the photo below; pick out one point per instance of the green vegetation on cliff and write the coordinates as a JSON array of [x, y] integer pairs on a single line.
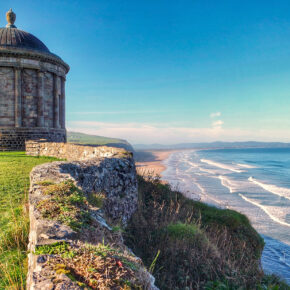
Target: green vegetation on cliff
[[86, 139], [192, 245], [14, 222]]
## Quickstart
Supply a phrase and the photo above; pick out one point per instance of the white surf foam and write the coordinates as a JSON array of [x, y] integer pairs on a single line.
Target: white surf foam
[[227, 183], [265, 209], [196, 165], [206, 197], [246, 165], [281, 191], [221, 165]]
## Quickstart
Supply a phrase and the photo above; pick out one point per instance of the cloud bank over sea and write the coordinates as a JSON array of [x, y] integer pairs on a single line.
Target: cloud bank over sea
[[160, 133]]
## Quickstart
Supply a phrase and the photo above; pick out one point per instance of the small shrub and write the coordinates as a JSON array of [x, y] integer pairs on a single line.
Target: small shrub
[[55, 248], [183, 231], [96, 199], [117, 229]]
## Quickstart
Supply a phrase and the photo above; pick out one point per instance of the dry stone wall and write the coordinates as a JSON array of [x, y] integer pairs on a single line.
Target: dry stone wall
[[112, 173], [70, 151]]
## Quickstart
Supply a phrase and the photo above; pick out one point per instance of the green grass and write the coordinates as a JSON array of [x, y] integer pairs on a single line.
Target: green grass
[[190, 232], [82, 138], [14, 222], [55, 248], [67, 204]]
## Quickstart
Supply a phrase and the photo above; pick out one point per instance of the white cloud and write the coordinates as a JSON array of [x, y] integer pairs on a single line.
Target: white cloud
[[148, 134], [217, 124], [216, 114]]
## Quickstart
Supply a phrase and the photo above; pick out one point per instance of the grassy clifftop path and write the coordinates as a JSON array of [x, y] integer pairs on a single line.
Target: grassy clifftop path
[[14, 221]]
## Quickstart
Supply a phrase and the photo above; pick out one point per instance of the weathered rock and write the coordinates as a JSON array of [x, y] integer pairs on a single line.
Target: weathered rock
[[73, 152], [113, 177]]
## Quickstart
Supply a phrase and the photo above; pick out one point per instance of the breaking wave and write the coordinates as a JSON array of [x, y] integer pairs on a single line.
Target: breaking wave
[[221, 165], [227, 183], [246, 165], [264, 208], [281, 191]]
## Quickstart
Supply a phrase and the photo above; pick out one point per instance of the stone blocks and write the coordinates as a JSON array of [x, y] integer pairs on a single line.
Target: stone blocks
[[14, 138], [32, 97], [73, 152]]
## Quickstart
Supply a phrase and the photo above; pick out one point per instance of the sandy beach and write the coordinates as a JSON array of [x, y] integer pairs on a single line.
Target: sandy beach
[[153, 165]]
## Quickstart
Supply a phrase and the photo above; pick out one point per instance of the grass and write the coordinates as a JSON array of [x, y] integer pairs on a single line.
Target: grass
[[81, 138], [190, 232], [96, 199], [14, 221], [68, 204], [95, 266], [190, 245]]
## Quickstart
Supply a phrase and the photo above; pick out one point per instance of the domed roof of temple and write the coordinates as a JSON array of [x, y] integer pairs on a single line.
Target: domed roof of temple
[[11, 37]]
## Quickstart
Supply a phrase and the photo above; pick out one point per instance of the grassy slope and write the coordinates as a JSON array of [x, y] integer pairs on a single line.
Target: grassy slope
[[91, 139], [81, 138], [14, 222], [74, 137], [192, 243]]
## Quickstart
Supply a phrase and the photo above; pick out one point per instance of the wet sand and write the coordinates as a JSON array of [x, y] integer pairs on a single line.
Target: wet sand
[[155, 165]]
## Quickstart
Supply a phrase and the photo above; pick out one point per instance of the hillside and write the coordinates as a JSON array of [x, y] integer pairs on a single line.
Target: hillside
[[81, 138], [187, 244]]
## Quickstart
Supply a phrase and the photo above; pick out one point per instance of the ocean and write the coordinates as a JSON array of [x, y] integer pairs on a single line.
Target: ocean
[[255, 182]]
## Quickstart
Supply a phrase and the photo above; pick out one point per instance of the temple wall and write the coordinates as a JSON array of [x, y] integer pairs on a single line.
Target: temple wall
[[14, 138], [29, 98], [48, 100], [32, 101], [7, 99]]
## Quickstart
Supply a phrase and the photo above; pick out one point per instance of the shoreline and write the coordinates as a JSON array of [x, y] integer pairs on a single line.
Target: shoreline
[[154, 165]]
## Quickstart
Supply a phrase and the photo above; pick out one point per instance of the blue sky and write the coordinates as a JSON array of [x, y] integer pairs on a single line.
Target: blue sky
[[170, 71]]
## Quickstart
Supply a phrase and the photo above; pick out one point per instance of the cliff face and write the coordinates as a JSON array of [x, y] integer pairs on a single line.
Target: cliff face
[[76, 212]]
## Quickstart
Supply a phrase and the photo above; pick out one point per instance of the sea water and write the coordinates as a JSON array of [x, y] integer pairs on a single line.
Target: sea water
[[255, 182]]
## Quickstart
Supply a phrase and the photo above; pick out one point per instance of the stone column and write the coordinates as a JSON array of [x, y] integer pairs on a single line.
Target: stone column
[[62, 104], [40, 103], [55, 102], [18, 98]]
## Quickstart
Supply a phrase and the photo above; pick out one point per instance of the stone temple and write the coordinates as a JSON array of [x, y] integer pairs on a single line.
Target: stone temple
[[32, 89]]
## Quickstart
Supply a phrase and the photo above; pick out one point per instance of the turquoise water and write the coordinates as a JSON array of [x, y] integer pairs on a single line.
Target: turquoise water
[[255, 182]]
